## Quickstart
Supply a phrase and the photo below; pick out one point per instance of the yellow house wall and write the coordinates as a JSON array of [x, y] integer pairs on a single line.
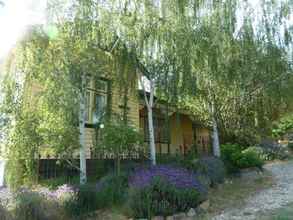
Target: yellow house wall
[[116, 103], [182, 132], [176, 134], [180, 125], [132, 104], [203, 133], [33, 90]]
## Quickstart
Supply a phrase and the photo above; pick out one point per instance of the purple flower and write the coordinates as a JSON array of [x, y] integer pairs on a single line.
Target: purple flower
[[179, 177], [62, 192]]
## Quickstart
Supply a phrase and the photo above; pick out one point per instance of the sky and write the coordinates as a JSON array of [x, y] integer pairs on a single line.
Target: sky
[[15, 16]]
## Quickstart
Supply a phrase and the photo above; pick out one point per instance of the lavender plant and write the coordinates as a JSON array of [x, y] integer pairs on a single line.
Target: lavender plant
[[163, 190], [176, 176]]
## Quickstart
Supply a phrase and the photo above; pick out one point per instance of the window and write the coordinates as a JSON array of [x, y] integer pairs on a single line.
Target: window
[[96, 100], [160, 129], [99, 107], [87, 104]]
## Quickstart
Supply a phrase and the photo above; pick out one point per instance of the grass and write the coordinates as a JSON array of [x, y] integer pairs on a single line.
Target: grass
[[284, 213], [234, 193]]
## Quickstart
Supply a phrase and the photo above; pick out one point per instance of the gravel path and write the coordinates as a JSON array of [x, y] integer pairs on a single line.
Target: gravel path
[[279, 195]]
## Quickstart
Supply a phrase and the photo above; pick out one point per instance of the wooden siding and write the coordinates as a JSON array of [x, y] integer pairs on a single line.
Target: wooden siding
[[181, 129], [183, 136], [132, 104]]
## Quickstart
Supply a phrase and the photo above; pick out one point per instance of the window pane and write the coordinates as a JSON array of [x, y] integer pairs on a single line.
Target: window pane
[[160, 130], [100, 107], [87, 107]]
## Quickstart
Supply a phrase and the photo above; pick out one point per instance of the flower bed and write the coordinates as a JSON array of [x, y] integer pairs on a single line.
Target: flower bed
[[176, 176], [163, 190]]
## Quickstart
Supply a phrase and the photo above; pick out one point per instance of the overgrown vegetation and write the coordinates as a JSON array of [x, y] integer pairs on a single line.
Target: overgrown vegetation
[[237, 80]]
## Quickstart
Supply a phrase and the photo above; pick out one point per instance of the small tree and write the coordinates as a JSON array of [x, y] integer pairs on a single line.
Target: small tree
[[119, 137]]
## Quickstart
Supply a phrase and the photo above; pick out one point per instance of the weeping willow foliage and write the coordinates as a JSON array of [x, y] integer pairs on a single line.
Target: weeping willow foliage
[[198, 53], [246, 74]]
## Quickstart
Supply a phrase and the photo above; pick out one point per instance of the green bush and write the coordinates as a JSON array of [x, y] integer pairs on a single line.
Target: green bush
[[229, 154], [32, 206], [118, 137], [212, 168], [161, 198], [238, 157], [249, 159]]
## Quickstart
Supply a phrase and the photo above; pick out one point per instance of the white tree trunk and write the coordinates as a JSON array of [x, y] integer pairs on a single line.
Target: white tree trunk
[[82, 150], [149, 103], [216, 142], [215, 134], [2, 170], [151, 123], [151, 136]]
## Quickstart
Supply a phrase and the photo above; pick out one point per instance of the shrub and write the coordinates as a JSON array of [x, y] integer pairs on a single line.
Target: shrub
[[213, 168], [229, 154], [163, 190], [111, 190], [273, 150], [85, 201], [118, 137], [30, 205], [249, 159], [237, 157]]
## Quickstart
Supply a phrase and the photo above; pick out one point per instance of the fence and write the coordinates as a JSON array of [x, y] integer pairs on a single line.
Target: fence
[[53, 168]]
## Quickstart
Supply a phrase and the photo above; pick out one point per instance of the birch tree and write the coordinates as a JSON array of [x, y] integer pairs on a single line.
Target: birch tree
[[82, 114]]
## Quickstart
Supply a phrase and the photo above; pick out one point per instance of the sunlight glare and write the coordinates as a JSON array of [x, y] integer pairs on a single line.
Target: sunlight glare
[[15, 17]]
